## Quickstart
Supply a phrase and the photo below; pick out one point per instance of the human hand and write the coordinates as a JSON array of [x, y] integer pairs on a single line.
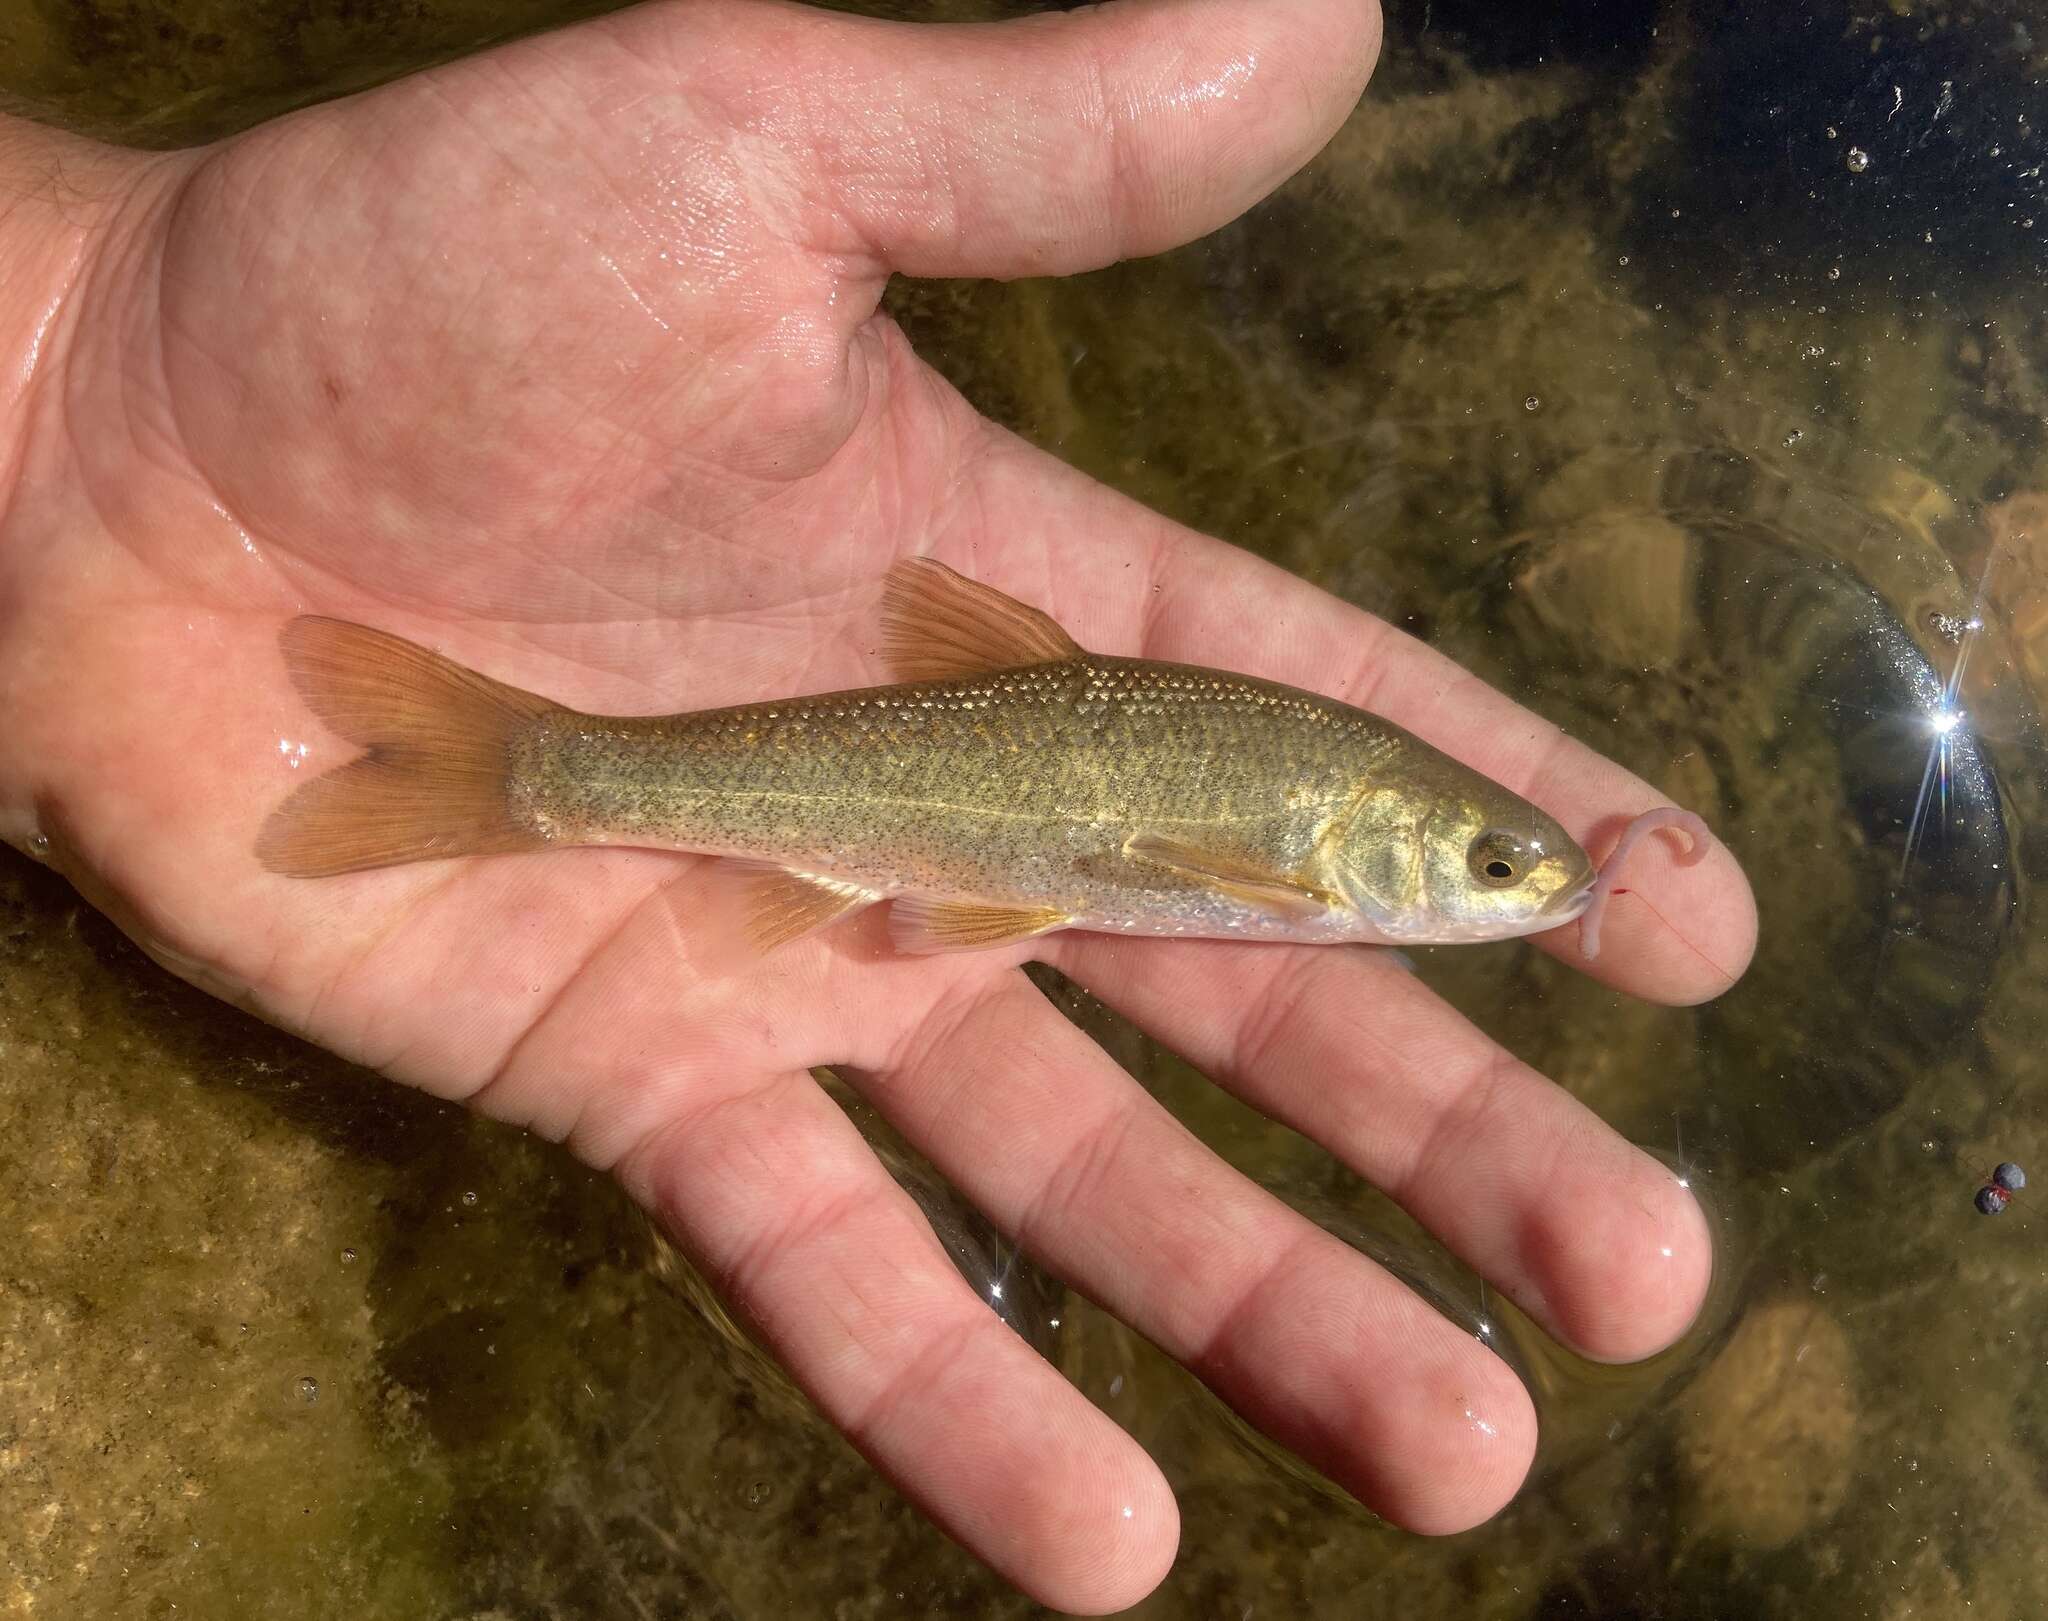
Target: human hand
[[564, 360]]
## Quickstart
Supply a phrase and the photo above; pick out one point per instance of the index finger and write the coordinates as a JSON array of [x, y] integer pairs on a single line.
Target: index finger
[[1122, 579]]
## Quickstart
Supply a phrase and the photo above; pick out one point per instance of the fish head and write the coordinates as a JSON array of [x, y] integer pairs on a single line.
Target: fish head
[[1462, 861]]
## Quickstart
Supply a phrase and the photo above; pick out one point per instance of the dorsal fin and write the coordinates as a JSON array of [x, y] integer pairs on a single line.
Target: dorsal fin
[[937, 624]]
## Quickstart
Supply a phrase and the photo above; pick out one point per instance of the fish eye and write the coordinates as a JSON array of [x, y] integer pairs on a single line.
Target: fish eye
[[1498, 859]]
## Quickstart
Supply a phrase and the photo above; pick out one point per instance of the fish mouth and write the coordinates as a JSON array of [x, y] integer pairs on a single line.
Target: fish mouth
[[1567, 904]]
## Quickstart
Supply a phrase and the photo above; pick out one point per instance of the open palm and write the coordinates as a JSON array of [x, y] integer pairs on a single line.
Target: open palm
[[565, 361]]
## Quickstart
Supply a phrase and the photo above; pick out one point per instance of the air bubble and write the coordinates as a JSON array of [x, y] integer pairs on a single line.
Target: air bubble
[[469, 1196], [1859, 160], [1834, 272], [1532, 403], [348, 1257]]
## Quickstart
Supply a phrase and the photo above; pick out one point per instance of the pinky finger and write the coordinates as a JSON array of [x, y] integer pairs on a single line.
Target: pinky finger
[[777, 1195]]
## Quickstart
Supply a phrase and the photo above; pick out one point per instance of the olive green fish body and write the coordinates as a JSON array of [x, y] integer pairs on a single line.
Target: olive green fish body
[[1011, 785], [1022, 786]]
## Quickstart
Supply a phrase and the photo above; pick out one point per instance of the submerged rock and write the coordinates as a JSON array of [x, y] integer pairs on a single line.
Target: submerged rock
[[1769, 1433]]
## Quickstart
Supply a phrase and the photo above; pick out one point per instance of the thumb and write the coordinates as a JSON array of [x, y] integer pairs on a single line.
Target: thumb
[[1066, 141]]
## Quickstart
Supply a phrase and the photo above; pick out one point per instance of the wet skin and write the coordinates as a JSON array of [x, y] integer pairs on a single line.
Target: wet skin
[[565, 360]]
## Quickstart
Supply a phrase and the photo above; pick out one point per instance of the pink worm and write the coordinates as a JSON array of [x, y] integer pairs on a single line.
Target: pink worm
[[1610, 871]]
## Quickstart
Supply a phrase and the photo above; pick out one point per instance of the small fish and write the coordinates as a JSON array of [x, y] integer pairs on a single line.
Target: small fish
[[1011, 785]]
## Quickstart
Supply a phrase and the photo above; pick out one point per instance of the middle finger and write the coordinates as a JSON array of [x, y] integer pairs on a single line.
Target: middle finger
[[1591, 1236], [1321, 1349]]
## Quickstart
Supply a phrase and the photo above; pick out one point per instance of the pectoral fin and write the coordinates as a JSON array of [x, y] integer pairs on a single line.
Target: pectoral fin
[[784, 905], [921, 926], [1282, 894], [937, 625]]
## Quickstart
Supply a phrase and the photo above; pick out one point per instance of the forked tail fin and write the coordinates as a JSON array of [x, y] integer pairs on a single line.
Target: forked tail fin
[[433, 782]]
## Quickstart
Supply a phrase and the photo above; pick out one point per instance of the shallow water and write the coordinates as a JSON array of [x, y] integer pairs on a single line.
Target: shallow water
[[1588, 351]]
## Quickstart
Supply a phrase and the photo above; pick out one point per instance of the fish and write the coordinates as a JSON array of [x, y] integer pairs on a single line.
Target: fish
[[1007, 785]]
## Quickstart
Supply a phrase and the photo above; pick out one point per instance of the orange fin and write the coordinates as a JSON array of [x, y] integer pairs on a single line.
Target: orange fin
[[921, 926], [433, 782], [1277, 892], [785, 905], [937, 625]]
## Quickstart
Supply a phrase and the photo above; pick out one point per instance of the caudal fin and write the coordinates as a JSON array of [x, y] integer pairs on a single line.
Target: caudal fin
[[433, 780]]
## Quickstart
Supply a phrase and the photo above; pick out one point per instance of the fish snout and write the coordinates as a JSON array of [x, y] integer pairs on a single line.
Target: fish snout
[[1568, 904]]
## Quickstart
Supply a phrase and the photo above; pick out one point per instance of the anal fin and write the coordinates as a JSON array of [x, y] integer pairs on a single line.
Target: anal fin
[[785, 905], [922, 926], [1283, 894]]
